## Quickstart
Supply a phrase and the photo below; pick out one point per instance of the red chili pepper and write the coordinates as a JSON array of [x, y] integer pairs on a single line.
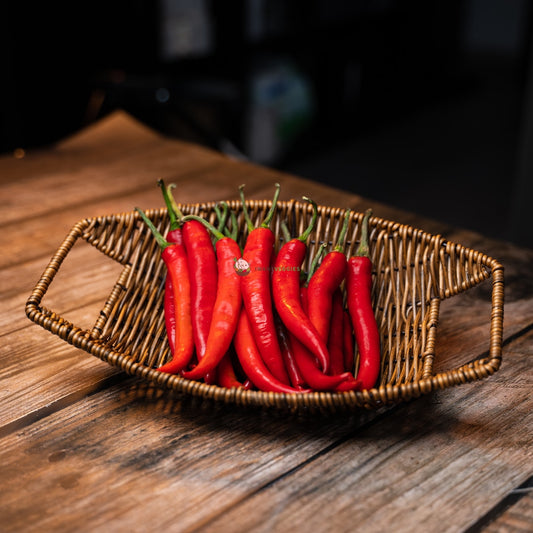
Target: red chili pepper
[[295, 376], [202, 263], [324, 282], [175, 259], [286, 294], [227, 377], [256, 289], [359, 289], [203, 271], [174, 236], [227, 306], [348, 344], [336, 335], [170, 314], [251, 361], [313, 376]]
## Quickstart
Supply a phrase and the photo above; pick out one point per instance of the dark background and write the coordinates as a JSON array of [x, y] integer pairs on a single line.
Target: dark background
[[423, 105]]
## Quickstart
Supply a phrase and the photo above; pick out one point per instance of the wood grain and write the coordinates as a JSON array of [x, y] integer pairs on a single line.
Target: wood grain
[[85, 447], [516, 517], [265, 472], [189, 458], [375, 479]]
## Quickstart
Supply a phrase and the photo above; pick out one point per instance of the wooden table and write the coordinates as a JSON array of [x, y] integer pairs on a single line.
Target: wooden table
[[85, 447]]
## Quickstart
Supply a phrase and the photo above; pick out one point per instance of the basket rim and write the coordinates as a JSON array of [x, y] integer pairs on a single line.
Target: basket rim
[[381, 396]]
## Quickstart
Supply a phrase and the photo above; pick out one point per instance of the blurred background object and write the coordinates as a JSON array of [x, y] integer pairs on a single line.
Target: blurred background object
[[422, 105]]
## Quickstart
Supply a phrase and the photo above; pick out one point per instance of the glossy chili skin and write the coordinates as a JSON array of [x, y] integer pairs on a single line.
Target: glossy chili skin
[[322, 285], [176, 260], [295, 376], [359, 297], [170, 314], [336, 335], [311, 373], [348, 344], [174, 236], [325, 281], [203, 275], [359, 289], [227, 377], [226, 310], [252, 362], [201, 260], [257, 299], [313, 376], [286, 294]]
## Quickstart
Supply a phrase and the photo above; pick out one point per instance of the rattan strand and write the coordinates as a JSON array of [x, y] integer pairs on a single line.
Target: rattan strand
[[413, 272]]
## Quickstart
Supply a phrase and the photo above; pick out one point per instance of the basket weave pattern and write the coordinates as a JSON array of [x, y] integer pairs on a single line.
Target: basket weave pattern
[[413, 272]]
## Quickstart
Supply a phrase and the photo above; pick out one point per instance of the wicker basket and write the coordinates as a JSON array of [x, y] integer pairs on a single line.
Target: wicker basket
[[413, 272]]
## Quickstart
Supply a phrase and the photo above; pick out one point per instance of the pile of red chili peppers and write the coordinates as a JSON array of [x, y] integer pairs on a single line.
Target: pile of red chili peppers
[[249, 318]]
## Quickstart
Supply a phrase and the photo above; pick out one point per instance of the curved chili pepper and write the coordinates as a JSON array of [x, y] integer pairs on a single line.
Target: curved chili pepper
[[256, 289], [324, 282], [170, 313], [202, 263], [227, 377], [175, 259], [359, 289], [286, 294], [227, 306], [336, 335], [348, 344], [252, 362], [204, 277], [295, 376], [173, 236], [313, 376]]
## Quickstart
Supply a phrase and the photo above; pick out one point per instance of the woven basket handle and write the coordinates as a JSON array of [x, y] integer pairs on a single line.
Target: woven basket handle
[[486, 366], [37, 313]]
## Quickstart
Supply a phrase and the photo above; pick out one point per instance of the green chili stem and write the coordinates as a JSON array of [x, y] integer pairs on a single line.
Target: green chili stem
[[270, 214], [247, 218], [363, 249], [160, 239], [315, 261], [222, 217], [342, 236], [285, 231], [173, 203], [174, 212], [303, 237], [223, 221], [234, 229]]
